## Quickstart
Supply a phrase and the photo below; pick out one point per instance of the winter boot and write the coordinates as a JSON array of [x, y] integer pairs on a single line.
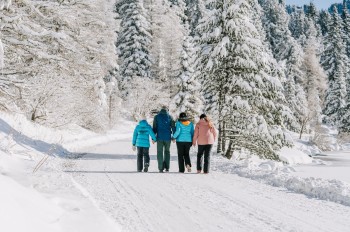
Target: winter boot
[[146, 168]]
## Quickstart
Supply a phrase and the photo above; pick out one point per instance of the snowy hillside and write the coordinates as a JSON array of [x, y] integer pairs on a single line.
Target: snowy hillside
[[47, 200]]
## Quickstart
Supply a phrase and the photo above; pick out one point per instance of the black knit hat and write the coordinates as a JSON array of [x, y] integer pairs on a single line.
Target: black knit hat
[[183, 116], [202, 116]]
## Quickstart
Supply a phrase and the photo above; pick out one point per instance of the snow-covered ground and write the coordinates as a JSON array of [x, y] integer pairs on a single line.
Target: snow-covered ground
[[191, 202], [330, 165], [48, 200], [98, 189]]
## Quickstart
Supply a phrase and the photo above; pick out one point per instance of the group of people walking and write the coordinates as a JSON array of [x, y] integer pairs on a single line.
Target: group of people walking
[[164, 131]]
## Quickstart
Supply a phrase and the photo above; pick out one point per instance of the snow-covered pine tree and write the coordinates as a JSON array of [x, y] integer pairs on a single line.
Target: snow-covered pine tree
[[133, 43], [195, 10], [344, 123], [346, 24], [312, 23], [189, 98], [297, 25], [239, 80], [287, 51], [324, 21], [334, 61], [168, 32]]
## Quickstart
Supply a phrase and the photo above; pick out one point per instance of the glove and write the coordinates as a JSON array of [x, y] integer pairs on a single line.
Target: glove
[[133, 148]]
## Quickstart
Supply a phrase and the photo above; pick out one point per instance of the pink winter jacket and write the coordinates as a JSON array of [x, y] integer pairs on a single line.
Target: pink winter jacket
[[203, 134]]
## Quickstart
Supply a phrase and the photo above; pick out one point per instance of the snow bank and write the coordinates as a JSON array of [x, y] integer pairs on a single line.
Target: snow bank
[[24, 209], [18, 130], [279, 175], [46, 200], [294, 156]]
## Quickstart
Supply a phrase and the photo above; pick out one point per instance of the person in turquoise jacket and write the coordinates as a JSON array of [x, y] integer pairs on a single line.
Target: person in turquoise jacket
[[140, 141], [184, 136]]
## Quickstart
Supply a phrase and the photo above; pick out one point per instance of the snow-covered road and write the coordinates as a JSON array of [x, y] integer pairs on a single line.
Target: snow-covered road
[[195, 202]]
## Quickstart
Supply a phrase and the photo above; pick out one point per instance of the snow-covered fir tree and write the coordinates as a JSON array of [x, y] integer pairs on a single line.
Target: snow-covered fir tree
[[133, 43], [344, 123], [189, 98], [334, 61], [239, 80], [324, 21], [288, 52], [297, 26], [168, 33], [346, 25], [195, 10]]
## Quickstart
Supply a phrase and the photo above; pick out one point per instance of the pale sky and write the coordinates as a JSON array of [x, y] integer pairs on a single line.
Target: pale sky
[[320, 4]]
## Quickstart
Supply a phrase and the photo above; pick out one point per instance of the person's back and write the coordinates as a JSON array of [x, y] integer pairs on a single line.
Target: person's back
[[140, 140], [204, 133], [183, 135], [163, 127], [142, 133], [184, 131]]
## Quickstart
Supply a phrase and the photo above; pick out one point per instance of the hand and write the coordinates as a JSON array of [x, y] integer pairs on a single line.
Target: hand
[[173, 140], [133, 148], [193, 144]]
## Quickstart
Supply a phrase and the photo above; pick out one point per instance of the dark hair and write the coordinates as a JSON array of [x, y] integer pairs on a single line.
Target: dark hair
[[183, 116], [202, 116]]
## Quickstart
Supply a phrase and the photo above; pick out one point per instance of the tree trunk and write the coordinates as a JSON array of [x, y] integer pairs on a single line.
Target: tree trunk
[[220, 136], [229, 151], [223, 139], [110, 110], [219, 139], [303, 124], [33, 117]]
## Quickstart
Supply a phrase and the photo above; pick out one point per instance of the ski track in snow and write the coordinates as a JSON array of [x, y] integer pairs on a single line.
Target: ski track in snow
[[191, 202]]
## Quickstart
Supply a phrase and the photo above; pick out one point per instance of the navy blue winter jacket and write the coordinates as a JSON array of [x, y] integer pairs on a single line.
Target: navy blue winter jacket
[[163, 126]]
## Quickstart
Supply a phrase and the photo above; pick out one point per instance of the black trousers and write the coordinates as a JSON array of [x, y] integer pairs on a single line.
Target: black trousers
[[203, 149], [183, 153], [142, 157]]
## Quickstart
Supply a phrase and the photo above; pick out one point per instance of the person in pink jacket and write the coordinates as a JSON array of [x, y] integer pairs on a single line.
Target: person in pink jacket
[[205, 136]]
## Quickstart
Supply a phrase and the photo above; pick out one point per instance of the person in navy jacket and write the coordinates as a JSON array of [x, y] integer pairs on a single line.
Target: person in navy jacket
[[163, 127]]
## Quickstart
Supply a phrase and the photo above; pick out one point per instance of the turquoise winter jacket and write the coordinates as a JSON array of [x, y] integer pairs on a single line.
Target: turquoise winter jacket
[[184, 133], [141, 134]]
